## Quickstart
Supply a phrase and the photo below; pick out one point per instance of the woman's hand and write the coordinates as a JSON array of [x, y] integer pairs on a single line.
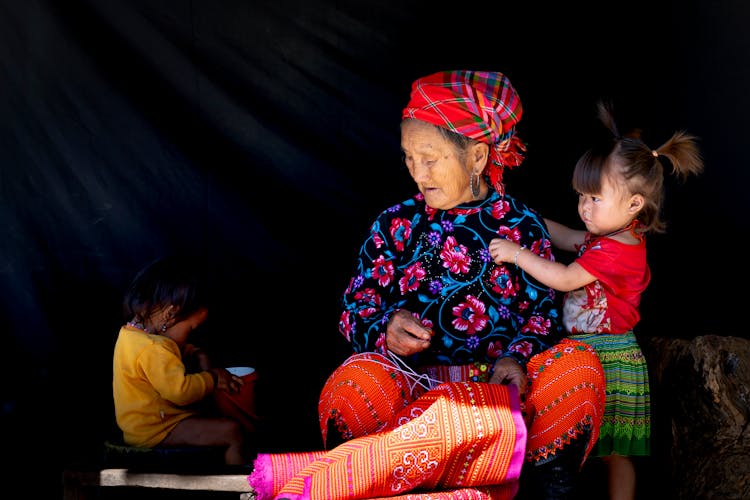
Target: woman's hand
[[509, 371], [405, 335], [225, 381]]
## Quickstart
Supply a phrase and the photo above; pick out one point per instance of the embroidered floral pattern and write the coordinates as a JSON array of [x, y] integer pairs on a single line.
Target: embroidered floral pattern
[[435, 263]]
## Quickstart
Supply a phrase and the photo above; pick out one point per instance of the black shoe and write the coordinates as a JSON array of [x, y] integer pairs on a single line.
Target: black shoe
[[557, 478]]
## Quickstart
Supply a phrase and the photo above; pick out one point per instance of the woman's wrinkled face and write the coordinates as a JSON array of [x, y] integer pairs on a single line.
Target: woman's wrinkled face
[[435, 165]]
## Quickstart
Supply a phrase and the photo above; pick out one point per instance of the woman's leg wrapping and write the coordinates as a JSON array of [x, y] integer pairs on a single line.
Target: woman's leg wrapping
[[564, 409]]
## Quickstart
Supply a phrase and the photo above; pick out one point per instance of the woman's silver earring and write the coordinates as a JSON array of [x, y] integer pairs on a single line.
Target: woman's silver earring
[[474, 189], [163, 328]]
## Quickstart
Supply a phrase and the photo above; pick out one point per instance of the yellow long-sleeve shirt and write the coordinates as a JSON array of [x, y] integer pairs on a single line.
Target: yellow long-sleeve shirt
[[150, 387]]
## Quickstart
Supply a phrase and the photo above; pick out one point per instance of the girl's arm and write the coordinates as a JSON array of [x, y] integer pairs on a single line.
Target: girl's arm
[[564, 237], [553, 274], [195, 359]]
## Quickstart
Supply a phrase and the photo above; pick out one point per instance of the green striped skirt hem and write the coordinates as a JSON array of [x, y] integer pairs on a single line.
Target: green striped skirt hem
[[626, 426]]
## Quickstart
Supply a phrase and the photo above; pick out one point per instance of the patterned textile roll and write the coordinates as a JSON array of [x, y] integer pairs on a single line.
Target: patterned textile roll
[[459, 440], [626, 425], [271, 473], [566, 398]]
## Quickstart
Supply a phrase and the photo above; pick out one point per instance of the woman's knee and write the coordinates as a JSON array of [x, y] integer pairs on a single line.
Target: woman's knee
[[361, 397], [567, 390]]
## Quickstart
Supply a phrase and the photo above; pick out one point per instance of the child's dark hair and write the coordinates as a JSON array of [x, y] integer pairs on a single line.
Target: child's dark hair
[[173, 280], [639, 165]]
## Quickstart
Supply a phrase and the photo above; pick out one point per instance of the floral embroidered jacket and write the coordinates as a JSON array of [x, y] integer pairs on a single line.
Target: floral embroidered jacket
[[435, 264]]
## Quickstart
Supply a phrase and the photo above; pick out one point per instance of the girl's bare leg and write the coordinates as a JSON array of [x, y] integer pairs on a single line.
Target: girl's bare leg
[[621, 477], [211, 431]]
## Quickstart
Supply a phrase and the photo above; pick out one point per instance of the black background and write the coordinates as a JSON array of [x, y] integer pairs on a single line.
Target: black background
[[263, 136]]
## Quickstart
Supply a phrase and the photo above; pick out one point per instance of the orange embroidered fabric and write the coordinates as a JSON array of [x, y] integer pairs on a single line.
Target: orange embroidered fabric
[[458, 441], [363, 395], [566, 396]]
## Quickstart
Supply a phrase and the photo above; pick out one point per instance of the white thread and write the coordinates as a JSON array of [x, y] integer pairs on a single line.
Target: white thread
[[413, 377]]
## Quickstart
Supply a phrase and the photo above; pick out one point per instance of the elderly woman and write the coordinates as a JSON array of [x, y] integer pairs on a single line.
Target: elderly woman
[[460, 379]]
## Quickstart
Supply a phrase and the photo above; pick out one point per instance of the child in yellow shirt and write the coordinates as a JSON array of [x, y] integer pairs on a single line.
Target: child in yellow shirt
[[154, 394]]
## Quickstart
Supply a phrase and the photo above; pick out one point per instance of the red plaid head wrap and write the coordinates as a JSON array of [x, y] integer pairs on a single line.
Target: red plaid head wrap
[[480, 105]]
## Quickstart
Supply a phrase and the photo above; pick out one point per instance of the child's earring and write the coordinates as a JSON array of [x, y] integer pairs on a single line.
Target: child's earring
[[167, 319]]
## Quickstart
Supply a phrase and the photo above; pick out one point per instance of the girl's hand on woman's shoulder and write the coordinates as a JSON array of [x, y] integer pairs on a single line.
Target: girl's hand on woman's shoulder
[[502, 250]]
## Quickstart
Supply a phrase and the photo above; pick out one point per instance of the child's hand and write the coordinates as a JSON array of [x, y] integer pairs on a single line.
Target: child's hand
[[225, 381], [503, 250]]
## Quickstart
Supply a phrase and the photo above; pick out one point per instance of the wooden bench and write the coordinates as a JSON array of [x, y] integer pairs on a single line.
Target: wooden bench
[[196, 469], [87, 484]]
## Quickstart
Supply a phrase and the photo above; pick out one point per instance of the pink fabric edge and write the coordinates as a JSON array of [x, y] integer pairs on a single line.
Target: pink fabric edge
[[261, 478], [519, 452]]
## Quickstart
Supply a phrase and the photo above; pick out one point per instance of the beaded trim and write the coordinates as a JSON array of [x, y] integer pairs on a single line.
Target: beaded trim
[[140, 326]]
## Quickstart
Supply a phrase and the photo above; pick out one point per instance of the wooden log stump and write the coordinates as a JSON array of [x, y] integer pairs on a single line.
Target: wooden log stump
[[701, 397]]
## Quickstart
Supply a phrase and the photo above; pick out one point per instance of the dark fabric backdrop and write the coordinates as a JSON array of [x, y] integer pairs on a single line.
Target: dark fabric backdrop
[[263, 136]]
